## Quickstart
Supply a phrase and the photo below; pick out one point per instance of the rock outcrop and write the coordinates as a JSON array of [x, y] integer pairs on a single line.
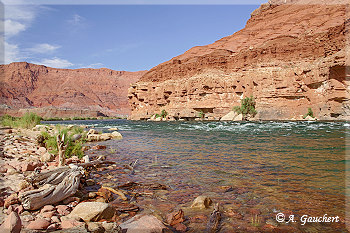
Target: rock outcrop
[[65, 92], [291, 55]]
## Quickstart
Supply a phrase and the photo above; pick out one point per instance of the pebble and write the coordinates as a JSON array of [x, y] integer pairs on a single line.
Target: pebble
[[48, 214], [63, 210], [92, 194], [95, 227], [47, 208], [70, 223], [55, 219], [38, 224], [10, 200], [180, 227], [90, 182], [52, 227], [71, 199]]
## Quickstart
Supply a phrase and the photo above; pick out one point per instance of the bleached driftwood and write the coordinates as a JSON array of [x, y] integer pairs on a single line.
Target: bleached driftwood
[[47, 177], [59, 184], [61, 150]]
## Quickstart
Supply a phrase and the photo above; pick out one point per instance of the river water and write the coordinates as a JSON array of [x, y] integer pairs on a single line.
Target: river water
[[297, 168]]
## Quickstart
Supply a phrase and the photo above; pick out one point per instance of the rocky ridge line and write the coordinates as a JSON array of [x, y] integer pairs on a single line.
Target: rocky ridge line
[[65, 92]]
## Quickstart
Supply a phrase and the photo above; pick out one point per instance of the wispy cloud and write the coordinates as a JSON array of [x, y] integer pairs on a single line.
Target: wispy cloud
[[13, 28], [76, 20], [43, 48], [19, 16], [12, 53], [55, 62]]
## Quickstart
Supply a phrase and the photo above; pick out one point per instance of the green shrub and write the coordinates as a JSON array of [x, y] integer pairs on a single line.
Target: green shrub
[[157, 115], [201, 114], [7, 120], [54, 119], [29, 120], [247, 107], [73, 148], [309, 113], [164, 113]]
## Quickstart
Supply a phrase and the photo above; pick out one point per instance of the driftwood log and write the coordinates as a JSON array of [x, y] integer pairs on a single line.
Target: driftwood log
[[58, 185], [61, 150], [214, 220]]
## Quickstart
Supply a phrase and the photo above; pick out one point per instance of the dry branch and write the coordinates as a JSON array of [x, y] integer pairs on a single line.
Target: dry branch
[[131, 166], [214, 220], [118, 192], [61, 150]]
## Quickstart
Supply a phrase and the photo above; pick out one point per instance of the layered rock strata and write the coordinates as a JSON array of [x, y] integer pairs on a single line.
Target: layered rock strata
[[290, 56], [79, 92]]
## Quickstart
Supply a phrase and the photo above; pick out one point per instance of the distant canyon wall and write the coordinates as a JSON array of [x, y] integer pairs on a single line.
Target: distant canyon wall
[[290, 57], [55, 92]]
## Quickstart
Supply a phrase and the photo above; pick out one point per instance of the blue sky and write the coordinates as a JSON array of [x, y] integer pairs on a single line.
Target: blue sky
[[120, 37]]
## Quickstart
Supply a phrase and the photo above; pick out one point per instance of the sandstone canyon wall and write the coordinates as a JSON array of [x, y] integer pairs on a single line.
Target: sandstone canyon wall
[[291, 55], [55, 92]]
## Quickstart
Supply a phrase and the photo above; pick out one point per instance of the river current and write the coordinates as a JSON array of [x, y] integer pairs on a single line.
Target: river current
[[298, 168]]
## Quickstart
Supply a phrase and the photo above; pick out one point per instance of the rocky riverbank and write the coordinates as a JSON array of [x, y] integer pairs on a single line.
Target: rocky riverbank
[[94, 207]]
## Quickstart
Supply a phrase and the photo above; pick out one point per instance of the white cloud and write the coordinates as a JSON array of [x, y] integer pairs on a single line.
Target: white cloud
[[43, 48], [12, 53], [18, 17], [55, 63], [20, 11], [76, 20], [13, 28]]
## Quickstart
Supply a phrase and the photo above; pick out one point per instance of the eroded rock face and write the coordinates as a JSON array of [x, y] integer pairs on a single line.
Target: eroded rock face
[[25, 85], [289, 57]]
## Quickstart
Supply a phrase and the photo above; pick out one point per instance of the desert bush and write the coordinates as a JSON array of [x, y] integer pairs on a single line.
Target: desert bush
[[247, 108], [164, 113], [73, 148], [309, 113]]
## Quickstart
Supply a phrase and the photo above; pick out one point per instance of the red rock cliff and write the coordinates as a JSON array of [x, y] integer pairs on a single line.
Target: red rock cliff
[[25, 85], [291, 55]]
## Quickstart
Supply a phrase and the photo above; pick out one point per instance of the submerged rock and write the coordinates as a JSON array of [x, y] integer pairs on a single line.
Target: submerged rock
[[176, 217], [201, 202]]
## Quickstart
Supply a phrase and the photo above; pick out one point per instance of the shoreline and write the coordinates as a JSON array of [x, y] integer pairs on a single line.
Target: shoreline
[[118, 207], [143, 199]]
